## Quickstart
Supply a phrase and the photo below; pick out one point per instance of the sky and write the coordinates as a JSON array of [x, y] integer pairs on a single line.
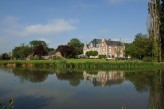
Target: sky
[[58, 21]]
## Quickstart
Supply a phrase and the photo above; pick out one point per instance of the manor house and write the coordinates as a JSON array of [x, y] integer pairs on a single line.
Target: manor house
[[112, 49]]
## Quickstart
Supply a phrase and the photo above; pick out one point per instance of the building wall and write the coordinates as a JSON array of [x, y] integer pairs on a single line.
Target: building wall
[[104, 49]]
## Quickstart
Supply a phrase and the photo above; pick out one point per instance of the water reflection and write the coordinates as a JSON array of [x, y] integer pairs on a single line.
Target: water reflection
[[50, 88], [32, 75], [104, 78]]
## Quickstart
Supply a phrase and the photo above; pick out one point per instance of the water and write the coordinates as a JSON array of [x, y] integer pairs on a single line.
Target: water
[[55, 89]]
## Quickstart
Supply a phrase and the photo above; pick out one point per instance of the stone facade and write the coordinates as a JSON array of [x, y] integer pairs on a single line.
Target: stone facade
[[112, 49]]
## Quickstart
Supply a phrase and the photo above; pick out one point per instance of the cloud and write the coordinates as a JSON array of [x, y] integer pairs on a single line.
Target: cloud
[[53, 27], [10, 26]]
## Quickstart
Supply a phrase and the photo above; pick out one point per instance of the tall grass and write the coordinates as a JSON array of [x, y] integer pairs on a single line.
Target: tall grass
[[83, 64]]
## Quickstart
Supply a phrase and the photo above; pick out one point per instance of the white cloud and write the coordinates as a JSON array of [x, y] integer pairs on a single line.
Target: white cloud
[[10, 26], [54, 27]]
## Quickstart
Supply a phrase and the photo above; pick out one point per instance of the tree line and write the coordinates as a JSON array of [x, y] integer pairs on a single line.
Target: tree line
[[37, 48]]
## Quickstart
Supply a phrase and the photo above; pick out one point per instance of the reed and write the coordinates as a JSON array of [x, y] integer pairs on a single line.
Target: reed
[[83, 64]]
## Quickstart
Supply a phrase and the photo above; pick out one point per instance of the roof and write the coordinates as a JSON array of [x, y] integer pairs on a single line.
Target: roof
[[113, 43], [95, 41], [108, 42]]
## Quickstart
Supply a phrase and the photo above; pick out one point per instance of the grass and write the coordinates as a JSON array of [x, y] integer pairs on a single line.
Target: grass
[[83, 64]]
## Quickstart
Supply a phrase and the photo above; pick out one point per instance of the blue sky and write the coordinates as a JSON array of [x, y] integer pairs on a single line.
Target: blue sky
[[58, 21]]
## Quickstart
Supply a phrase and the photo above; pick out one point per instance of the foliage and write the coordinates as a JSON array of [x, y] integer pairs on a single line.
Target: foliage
[[91, 53], [141, 47], [102, 56], [40, 51], [147, 59], [10, 105], [66, 51], [5, 56], [129, 50], [36, 47], [36, 57], [162, 27], [57, 57], [36, 43], [84, 64], [75, 43], [154, 28], [21, 52]]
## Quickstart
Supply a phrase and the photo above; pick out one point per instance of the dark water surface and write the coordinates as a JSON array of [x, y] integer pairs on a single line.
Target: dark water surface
[[56, 89]]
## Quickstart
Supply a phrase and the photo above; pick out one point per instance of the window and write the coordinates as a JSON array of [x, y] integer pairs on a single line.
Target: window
[[102, 44]]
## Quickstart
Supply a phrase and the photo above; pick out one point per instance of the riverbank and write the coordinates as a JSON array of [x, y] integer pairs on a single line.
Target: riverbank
[[83, 64]]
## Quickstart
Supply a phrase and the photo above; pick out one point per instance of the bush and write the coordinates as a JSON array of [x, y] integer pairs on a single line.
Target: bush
[[147, 59], [91, 53], [57, 57], [102, 56], [35, 57]]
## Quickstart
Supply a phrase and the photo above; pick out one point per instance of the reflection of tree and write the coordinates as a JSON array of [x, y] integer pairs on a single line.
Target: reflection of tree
[[141, 79], [157, 91], [73, 77], [152, 80], [32, 75], [103, 78]]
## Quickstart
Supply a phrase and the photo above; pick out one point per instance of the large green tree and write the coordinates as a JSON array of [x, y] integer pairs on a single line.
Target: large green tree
[[35, 43], [21, 51], [39, 45], [77, 44], [154, 28], [141, 47]]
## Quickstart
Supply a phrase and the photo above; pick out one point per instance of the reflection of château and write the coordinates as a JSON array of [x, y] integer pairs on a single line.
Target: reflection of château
[[104, 78]]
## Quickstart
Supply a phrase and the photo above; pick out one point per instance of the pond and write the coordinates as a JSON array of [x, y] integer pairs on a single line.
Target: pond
[[61, 89]]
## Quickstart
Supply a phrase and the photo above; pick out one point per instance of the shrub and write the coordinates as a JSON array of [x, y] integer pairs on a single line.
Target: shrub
[[91, 53], [57, 57], [147, 59], [102, 56], [35, 57]]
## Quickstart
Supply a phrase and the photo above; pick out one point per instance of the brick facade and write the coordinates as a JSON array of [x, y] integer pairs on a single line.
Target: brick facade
[[111, 49]]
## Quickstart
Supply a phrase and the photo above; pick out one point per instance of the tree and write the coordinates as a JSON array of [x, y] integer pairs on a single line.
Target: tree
[[66, 51], [75, 43], [142, 46], [154, 28], [162, 28], [129, 50], [5, 56], [36, 43], [39, 50], [22, 51]]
